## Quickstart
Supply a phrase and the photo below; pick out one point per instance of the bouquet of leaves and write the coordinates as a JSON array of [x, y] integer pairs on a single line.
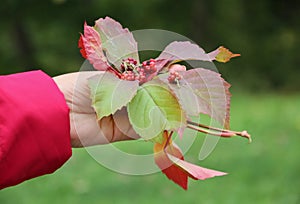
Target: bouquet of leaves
[[160, 97]]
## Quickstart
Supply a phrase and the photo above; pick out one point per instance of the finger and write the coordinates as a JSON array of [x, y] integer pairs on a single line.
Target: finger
[[117, 127], [85, 131]]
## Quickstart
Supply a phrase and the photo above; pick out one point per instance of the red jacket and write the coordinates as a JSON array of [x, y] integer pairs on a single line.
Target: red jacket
[[34, 127]]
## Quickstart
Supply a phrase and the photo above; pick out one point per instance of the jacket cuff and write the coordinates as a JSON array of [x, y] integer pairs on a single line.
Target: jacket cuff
[[34, 127]]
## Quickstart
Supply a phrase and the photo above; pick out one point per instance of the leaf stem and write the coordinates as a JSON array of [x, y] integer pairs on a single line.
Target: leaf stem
[[112, 70], [168, 138], [217, 131]]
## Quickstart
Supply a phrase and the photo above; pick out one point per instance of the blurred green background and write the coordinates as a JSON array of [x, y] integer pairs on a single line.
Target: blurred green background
[[266, 99], [44, 34]]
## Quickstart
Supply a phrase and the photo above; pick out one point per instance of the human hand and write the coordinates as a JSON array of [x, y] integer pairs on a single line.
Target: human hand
[[85, 128]]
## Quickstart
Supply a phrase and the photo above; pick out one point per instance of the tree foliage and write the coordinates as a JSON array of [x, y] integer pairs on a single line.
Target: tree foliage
[[43, 34]]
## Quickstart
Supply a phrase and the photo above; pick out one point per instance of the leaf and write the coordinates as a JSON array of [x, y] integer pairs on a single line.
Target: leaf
[[108, 95], [155, 109], [81, 46], [91, 48], [166, 165], [186, 96], [181, 51], [185, 50], [222, 54], [117, 42], [194, 171], [170, 160], [203, 91]]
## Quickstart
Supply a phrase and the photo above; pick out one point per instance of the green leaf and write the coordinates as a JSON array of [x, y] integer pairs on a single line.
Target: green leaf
[[110, 93], [155, 109]]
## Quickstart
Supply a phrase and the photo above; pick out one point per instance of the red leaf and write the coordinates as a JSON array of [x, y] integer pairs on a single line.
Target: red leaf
[[166, 165], [203, 91], [194, 171], [169, 159], [185, 50], [90, 43], [118, 42], [212, 92], [181, 51], [81, 45], [170, 169]]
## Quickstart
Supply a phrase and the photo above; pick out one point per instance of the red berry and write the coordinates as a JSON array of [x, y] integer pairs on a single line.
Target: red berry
[[174, 76], [151, 64], [153, 69]]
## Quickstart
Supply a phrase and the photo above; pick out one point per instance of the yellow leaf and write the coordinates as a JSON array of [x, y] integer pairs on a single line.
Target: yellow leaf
[[225, 55]]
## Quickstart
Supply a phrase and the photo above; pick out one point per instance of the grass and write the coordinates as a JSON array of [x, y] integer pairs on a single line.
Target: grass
[[266, 171]]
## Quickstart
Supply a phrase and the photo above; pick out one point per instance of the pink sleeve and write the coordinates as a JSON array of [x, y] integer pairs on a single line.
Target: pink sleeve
[[34, 127]]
